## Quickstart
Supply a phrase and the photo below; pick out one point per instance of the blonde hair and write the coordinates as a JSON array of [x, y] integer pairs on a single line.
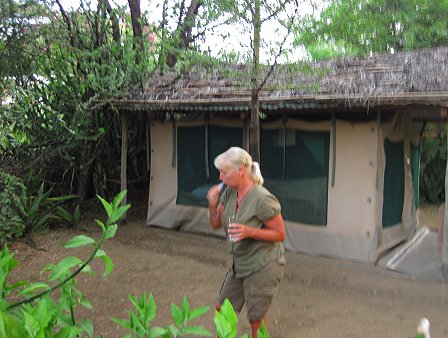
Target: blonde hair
[[235, 157]]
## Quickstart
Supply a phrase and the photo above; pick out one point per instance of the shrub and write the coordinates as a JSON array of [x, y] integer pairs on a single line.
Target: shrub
[[27, 207], [139, 322], [11, 190], [37, 313], [433, 164]]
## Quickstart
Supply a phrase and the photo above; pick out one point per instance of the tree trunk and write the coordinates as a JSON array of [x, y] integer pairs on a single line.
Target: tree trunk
[[85, 171], [115, 23], [254, 129], [136, 17], [184, 30], [124, 159], [73, 35]]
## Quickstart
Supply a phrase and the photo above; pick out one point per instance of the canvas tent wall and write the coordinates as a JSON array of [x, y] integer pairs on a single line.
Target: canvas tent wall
[[367, 209], [346, 187]]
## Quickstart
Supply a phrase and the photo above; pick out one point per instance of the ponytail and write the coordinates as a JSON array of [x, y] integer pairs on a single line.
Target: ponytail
[[256, 173]]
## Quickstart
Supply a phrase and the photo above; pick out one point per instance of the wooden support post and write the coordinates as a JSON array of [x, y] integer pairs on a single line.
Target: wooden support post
[[445, 224], [124, 158], [443, 112], [148, 154]]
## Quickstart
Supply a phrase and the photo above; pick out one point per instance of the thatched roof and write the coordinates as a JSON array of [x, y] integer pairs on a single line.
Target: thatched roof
[[406, 79]]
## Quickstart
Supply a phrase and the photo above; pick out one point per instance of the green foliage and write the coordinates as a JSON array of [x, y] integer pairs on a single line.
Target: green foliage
[[139, 322], [226, 321], [67, 217], [182, 316], [39, 313], [433, 164], [17, 35], [34, 208], [12, 188], [366, 26], [25, 207], [59, 67], [326, 50]]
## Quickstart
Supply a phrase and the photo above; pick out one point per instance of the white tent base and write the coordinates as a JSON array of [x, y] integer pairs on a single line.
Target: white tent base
[[417, 257]]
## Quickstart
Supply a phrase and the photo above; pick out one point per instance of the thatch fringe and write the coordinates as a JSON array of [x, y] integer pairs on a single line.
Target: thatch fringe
[[368, 80]]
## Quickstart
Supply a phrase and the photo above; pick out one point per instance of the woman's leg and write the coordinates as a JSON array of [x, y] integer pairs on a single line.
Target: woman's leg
[[256, 324], [260, 288], [232, 289]]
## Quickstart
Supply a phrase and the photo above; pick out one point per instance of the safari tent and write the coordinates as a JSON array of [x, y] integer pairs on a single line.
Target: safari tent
[[339, 145]]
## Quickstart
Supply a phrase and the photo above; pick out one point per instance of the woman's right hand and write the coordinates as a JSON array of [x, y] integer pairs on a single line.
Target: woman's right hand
[[213, 196], [214, 208]]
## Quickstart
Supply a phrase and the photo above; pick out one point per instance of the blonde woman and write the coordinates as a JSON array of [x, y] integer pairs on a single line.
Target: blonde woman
[[251, 218]]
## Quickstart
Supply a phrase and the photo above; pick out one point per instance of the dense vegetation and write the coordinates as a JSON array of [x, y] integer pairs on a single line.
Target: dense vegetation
[[433, 164], [360, 27]]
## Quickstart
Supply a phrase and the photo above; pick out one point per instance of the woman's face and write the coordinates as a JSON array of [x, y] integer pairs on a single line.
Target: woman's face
[[230, 176]]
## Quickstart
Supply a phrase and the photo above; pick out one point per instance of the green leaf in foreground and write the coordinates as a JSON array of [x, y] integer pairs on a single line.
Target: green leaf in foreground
[[111, 230], [196, 330], [34, 287], [198, 312], [106, 205], [109, 265], [64, 266], [117, 214], [78, 241]]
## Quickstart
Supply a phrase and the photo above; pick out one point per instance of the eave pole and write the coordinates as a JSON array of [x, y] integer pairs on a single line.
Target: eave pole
[[445, 223], [124, 159]]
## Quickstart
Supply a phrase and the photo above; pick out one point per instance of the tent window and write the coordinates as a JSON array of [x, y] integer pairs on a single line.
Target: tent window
[[285, 136], [193, 180], [393, 195], [297, 172]]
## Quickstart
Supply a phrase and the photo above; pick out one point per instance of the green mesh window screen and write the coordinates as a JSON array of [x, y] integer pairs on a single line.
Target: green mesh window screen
[[196, 172], [295, 166], [393, 194], [415, 164]]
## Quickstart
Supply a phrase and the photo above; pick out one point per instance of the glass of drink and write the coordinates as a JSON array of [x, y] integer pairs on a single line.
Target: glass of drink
[[231, 221]]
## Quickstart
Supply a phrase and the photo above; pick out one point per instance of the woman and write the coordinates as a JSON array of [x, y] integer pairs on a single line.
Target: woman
[[251, 218]]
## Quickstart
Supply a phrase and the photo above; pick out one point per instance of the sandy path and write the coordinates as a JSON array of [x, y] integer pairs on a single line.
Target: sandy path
[[319, 297]]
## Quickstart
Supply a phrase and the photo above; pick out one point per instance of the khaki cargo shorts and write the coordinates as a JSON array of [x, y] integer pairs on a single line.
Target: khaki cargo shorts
[[256, 290]]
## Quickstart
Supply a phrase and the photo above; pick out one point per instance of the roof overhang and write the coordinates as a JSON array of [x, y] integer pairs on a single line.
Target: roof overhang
[[422, 106]]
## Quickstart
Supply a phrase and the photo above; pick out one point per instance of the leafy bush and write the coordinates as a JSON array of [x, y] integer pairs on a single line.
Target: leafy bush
[[39, 314], [433, 164], [139, 322], [26, 207], [11, 190]]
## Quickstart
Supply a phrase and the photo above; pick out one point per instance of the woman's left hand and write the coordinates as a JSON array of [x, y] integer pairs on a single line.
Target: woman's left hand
[[273, 231], [238, 232]]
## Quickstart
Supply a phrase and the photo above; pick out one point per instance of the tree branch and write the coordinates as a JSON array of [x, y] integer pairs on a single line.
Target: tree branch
[[280, 51], [73, 35]]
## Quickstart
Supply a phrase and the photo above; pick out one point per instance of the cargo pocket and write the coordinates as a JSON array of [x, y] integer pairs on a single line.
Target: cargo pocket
[[260, 289], [259, 301]]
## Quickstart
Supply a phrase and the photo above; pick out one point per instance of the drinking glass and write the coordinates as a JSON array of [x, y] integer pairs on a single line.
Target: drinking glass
[[231, 220]]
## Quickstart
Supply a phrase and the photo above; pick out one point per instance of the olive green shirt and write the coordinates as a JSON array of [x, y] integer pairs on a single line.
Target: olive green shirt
[[259, 205]]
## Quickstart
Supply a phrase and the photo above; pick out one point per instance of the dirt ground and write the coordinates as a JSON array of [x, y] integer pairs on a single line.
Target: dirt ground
[[319, 297]]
